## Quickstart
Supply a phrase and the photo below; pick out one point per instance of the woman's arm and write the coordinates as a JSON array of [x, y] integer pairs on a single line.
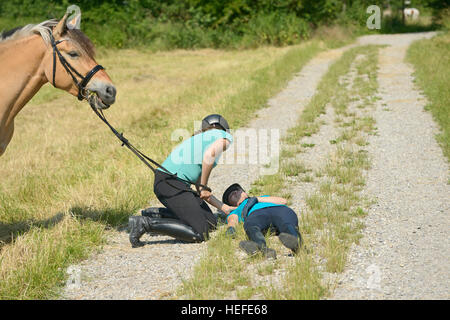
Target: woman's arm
[[276, 200], [213, 152], [210, 156], [212, 200]]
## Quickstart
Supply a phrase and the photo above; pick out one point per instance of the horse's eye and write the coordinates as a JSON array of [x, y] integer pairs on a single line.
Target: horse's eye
[[73, 54]]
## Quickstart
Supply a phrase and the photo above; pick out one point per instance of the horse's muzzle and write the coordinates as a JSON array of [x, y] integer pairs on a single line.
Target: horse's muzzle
[[107, 95]]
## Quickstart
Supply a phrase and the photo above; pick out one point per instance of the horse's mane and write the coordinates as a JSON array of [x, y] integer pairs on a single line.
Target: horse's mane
[[21, 32], [43, 29]]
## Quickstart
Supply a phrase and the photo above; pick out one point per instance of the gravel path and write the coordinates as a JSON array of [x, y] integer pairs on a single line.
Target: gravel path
[[405, 250], [157, 269]]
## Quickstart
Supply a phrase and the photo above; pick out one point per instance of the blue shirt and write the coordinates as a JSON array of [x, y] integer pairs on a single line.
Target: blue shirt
[[186, 159], [259, 205]]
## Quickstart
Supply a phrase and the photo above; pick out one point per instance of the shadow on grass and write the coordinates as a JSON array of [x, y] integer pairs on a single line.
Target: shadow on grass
[[9, 231], [111, 218], [116, 218]]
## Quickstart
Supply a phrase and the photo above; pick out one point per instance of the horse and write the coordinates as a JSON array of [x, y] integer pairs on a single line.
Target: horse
[[51, 51]]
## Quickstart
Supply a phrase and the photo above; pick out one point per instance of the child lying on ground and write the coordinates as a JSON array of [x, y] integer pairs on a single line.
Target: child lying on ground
[[259, 214]]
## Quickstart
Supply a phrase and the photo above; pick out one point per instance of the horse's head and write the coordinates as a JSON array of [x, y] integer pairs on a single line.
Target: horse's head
[[70, 58]]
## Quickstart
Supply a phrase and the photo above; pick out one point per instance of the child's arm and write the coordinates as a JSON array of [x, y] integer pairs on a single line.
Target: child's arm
[[276, 200], [232, 220]]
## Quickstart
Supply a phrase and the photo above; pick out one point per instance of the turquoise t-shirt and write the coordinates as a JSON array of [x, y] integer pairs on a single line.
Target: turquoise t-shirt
[[186, 159], [259, 205]]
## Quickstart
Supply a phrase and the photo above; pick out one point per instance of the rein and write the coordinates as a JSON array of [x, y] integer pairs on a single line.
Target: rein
[[139, 154]]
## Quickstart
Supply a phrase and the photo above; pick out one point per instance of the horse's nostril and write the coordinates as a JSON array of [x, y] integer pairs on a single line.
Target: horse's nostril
[[111, 91]]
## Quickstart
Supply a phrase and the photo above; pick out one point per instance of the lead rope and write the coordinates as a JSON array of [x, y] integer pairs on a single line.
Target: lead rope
[[139, 154]]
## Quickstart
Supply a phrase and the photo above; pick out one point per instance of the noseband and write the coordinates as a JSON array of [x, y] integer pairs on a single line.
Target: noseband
[[82, 91]]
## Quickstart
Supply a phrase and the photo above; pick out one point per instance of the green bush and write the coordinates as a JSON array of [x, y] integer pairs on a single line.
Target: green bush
[[277, 29], [204, 23]]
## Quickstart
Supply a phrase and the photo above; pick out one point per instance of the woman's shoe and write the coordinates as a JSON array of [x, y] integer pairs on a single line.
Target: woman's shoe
[[137, 229]]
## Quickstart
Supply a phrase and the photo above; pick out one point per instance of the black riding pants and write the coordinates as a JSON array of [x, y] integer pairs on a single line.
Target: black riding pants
[[178, 197]]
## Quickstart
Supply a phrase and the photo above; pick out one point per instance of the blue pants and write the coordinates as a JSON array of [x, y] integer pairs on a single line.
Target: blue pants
[[282, 218]]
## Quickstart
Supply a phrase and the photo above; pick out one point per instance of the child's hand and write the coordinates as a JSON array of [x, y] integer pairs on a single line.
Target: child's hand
[[231, 232]]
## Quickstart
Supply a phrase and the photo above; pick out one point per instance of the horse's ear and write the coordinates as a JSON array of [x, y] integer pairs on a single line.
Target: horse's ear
[[60, 27]]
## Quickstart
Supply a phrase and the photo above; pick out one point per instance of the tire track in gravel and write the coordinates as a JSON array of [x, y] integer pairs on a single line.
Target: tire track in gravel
[[336, 124], [157, 269], [315, 152], [405, 249], [319, 147]]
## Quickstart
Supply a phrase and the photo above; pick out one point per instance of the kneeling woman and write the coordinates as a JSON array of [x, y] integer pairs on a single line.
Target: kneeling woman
[[186, 216]]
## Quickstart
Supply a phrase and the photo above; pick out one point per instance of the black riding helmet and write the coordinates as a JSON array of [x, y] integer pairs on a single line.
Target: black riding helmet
[[215, 119], [230, 189]]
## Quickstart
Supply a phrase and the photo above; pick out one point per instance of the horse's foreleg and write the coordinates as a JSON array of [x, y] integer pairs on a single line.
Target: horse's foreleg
[[5, 138]]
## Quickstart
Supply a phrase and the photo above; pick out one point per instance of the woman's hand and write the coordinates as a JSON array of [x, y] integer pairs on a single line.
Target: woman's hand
[[205, 194]]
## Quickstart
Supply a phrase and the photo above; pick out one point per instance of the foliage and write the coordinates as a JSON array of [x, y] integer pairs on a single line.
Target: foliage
[[208, 23]]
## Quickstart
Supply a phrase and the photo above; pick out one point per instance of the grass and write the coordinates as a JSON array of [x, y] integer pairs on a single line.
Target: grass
[[307, 124], [328, 227], [329, 222], [218, 275], [37, 258], [66, 183], [432, 72]]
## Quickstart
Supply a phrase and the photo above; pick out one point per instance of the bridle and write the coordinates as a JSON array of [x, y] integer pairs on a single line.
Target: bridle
[[82, 91]]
